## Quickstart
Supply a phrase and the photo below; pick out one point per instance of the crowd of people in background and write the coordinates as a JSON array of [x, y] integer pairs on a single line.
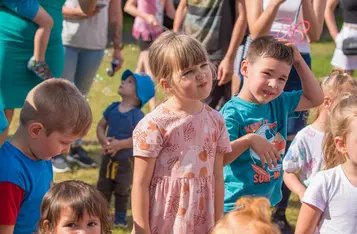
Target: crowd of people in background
[[230, 140]]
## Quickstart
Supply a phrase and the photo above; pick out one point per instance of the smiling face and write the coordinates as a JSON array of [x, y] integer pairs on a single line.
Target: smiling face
[[265, 79]]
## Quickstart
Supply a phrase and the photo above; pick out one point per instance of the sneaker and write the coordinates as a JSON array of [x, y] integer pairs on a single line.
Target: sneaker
[[120, 220], [279, 218], [60, 165], [40, 69], [79, 156]]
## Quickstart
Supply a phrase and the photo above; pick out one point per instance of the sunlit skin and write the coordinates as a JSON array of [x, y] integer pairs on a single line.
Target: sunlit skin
[[67, 224], [264, 79]]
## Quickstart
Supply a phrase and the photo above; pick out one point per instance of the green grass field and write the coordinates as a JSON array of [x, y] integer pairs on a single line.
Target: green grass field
[[103, 92]]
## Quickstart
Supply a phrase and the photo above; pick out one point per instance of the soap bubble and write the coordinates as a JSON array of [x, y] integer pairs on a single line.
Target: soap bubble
[[107, 91]]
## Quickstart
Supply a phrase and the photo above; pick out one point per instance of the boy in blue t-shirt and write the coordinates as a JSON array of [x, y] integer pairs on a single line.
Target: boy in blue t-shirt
[[256, 119], [119, 121], [54, 114]]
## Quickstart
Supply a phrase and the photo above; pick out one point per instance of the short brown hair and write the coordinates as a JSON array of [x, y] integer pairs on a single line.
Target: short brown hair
[[80, 197], [269, 47], [59, 106], [173, 52]]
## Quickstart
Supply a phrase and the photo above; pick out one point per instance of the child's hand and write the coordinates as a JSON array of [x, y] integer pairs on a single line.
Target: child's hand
[[296, 53], [112, 147], [151, 19], [265, 150]]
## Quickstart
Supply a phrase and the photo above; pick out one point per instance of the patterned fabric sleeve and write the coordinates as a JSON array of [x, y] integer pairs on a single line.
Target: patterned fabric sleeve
[[295, 159], [147, 138], [223, 142]]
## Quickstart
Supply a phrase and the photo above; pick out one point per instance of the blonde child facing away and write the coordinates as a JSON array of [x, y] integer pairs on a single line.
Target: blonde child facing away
[[54, 114], [304, 157], [179, 147], [251, 216], [329, 201], [74, 207]]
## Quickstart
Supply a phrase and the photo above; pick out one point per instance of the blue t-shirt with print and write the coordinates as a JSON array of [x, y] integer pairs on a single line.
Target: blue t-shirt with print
[[34, 177], [121, 125], [245, 176]]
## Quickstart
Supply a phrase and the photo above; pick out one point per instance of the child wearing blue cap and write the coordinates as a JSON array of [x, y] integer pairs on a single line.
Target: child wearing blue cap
[[114, 132]]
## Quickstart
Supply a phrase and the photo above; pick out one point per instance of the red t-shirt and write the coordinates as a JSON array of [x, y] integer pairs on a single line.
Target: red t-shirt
[[11, 197]]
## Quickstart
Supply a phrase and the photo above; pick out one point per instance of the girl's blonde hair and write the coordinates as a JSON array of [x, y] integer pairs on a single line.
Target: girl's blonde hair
[[80, 197], [339, 122], [335, 84], [250, 213], [172, 52]]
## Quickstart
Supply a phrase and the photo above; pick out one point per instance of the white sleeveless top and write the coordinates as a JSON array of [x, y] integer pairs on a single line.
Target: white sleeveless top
[[288, 10]]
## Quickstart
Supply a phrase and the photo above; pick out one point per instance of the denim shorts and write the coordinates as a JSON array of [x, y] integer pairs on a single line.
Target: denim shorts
[[294, 83]]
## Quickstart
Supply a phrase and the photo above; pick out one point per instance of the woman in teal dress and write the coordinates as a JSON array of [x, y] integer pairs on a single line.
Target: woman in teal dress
[[16, 47]]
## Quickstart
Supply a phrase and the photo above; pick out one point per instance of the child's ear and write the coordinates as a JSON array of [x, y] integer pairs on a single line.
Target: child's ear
[[35, 129], [340, 145], [327, 102], [244, 68], [165, 84]]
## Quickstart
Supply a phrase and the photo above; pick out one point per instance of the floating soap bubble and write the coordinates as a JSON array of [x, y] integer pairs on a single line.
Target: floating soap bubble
[[106, 52], [107, 91]]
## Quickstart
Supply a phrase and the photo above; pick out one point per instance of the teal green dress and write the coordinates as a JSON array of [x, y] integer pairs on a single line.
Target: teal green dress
[[16, 48]]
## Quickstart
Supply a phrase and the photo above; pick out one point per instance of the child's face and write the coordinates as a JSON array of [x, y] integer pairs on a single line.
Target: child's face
[[67, 223], [193, 83], [265, 79], [45, 147], [127, 87], [350, 147]]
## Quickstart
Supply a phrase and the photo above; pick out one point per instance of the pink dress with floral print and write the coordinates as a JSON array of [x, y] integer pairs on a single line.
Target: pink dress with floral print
[[182, 185]]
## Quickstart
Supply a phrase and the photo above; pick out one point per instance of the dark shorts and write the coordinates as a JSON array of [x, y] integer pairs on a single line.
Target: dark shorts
[[144, 45], [294, 83]]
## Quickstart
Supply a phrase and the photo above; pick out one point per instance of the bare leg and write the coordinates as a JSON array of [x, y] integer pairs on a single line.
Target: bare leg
[[9, 113], [45, 23]]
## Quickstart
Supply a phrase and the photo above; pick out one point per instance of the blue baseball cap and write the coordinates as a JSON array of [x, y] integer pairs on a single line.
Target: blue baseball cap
[[145, 88]]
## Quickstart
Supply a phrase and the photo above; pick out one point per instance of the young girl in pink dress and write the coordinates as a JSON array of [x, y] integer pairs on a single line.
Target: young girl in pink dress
[[179, 147], [148, 25]]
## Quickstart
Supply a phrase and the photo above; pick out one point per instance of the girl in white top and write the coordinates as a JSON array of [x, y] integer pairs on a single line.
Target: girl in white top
[[348, 63], [304, 157], [329, 203]]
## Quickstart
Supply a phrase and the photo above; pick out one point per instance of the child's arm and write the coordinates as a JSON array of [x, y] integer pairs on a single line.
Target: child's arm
[[219, 186], [259, 20], [226, 67], [5, 229], [170, 9], [261, 146], [312, 94], [294, 184], [330, 18], [130, 8], [308, 219], [180, 15], [101, 129], [143, 171]]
